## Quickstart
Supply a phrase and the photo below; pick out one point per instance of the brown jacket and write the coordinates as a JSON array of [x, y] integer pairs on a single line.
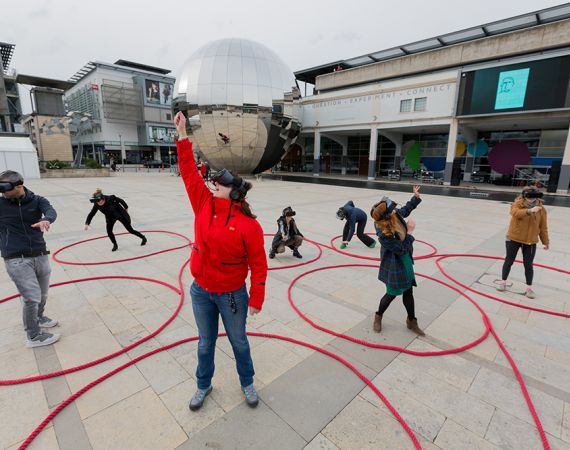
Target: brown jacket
[[526, 227]]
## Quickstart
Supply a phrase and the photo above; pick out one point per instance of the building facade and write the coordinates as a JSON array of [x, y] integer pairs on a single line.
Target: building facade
[[10, 107], [127, 111], [488, 104]]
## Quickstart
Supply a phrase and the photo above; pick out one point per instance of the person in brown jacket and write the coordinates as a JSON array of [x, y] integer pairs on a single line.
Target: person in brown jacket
[[528, 224]]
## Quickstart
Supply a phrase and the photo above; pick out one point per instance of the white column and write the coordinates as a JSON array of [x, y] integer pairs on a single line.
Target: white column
[[372, 153], [564, 179], [317, 154], [451, 146]]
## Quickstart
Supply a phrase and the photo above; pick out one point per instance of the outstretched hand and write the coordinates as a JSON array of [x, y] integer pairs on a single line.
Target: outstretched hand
[[180, 123], [417, 191], [43, 225]]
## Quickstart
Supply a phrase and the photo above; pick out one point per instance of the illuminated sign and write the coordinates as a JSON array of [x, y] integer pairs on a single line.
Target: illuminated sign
[[511, 89]]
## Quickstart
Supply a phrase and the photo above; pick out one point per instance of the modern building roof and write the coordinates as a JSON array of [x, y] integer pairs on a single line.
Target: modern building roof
[[6, 52], [43, 82], [119, 64], [515, 23]]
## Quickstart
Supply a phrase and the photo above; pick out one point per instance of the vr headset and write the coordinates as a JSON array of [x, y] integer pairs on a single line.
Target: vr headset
[[96, 199], [390, 206], [532, 194], [6, 186], [341, 214], [225, 178], [288, 212]]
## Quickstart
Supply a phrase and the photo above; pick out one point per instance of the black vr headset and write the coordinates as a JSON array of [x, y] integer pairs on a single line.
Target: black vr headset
[[390, 206], [341, 214], [6, 186], [532, 194], [96, 198], [225, 178], [288, 212]]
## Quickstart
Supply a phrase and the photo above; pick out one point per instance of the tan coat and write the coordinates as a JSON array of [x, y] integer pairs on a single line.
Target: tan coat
[[526, 227]]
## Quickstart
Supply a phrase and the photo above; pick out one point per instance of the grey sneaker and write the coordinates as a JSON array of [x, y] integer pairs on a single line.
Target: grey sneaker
[[250, 395], [42, 339], [530, 293], [46, 322], [502, 287], [198, 398]]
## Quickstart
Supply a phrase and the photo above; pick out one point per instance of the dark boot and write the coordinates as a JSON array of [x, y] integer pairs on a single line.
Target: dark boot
[[377, 323], [115, 247], [413, 325], [296, 254], [272, 254], [143, 242]]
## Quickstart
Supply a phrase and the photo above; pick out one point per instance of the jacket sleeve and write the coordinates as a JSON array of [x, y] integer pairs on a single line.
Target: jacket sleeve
[[519, 211], [351, 222], [122, 202], [396, 246], [257, 261], [47, 210], [196, 189], [407, 209], [543, 231], [91, 215]]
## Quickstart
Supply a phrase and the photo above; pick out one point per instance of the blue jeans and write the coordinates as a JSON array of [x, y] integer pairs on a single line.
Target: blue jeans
[[207, 307]]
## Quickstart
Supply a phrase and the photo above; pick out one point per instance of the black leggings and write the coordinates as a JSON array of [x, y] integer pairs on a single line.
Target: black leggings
[[528, 252], [408, 303], [366, 240], [126, 223]]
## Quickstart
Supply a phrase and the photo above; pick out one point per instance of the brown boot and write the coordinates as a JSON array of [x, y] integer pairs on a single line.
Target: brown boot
[[377, 323], [413, 325]]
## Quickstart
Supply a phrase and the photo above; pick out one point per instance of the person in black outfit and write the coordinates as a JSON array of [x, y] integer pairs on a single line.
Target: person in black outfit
[[355, 219], [288, 235], [115, 209]]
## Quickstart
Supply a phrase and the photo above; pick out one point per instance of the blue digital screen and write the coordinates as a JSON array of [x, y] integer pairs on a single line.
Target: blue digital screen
[[511, 89]]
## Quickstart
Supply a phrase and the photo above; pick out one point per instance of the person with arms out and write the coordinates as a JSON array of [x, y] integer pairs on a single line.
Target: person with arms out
[[115, 209], [288, 235], [528, 224], [228, 242], [355, 220], [396, 256], [24, 218]]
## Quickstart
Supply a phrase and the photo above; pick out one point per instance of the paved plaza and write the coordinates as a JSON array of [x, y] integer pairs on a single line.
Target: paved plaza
[[465, 400]]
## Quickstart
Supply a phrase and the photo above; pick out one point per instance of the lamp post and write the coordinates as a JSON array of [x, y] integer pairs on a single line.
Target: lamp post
[[123, 152]]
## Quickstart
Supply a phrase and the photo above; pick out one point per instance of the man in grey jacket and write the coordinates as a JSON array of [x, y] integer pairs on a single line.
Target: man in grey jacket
[[24, 217]]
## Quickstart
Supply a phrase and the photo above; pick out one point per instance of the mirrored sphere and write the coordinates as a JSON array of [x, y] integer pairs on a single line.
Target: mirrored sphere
[[238, 96]]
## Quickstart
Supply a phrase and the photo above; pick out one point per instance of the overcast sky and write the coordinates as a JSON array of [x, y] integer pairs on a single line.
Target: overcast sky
[[55, 38]]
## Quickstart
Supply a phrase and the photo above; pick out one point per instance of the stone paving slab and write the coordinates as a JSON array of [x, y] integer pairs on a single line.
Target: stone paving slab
[[461, 401]]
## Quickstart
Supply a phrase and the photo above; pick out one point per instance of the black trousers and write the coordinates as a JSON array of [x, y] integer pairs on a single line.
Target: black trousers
[[408, 303], [364, 238], [528, 252], [126, 223]]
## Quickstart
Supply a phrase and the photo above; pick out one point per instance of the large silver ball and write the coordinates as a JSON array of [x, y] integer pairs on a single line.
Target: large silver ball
[[233, 92]]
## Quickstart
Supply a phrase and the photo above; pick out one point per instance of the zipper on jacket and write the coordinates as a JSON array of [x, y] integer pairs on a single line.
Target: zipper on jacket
[[24, 225]]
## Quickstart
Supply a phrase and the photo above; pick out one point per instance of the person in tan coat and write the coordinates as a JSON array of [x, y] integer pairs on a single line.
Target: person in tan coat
[[528, 224]]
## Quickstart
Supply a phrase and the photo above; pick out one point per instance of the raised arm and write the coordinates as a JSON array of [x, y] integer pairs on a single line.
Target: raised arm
[[196, 189]]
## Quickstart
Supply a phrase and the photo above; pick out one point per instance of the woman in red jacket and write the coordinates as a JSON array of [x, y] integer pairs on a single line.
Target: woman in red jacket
[[228, 241]]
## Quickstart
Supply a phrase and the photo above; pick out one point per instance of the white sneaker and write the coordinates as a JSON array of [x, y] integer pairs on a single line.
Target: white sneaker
[[502, 286], [46, 322], [530, 293], [42, 339]]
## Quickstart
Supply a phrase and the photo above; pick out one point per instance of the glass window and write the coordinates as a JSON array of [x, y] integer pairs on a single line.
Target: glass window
[[406, 105], [420, 104]]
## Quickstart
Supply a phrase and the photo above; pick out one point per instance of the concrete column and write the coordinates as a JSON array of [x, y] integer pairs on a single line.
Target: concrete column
[[564, 179], [372, 153], [451, 145], [344, 143], [157, 153], [317, 154]]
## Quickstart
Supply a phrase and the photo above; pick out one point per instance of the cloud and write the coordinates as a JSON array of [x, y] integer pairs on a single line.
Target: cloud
[[39, 13], [347, 36]]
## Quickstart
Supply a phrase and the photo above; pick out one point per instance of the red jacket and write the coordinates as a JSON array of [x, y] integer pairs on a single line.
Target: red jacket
[[226, 243]]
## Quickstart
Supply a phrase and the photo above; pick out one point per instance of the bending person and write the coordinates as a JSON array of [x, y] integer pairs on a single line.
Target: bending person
[[355, 221], [227, 242], [288, 235], [396, 256], [528, 224], [115, 209]]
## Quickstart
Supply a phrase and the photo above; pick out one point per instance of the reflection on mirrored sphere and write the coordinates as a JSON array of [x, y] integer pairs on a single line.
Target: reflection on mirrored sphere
[[238, 96]]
